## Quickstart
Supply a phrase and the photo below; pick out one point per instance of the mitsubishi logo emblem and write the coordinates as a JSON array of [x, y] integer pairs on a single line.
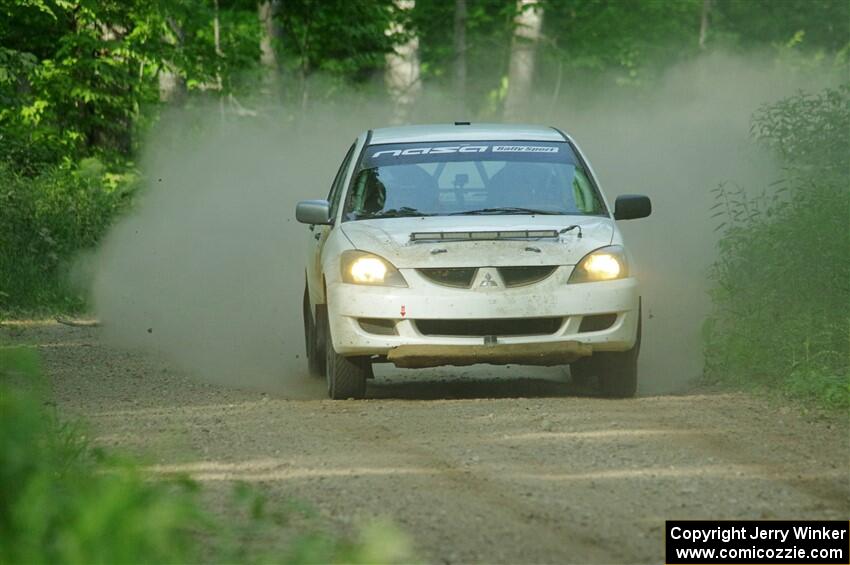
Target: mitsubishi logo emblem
[[488, 281]]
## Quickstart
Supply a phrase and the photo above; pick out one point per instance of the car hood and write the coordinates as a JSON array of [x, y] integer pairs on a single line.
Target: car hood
[[390, 238]]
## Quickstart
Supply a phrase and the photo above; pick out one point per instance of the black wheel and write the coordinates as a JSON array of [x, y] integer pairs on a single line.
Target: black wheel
[[582, 372], [313, 340], [616, 370], [346, 375]]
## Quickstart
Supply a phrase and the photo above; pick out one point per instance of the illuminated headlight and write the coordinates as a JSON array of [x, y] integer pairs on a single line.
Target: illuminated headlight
[[605, 264], [359, 267]]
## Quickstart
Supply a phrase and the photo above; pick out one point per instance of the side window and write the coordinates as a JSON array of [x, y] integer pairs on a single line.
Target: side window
[[337, 186], [584, 195]]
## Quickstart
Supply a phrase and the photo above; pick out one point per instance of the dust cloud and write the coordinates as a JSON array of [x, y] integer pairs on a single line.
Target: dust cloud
[[208, 270], [691, 134]]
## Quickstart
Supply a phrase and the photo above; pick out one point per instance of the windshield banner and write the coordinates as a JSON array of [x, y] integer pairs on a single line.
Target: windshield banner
[[410, 153]]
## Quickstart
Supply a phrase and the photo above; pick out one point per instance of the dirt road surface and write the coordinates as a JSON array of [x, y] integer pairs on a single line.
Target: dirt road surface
[[474, 468]]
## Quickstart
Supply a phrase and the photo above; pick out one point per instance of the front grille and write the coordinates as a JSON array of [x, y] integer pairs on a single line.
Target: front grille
[[519, 276], [463, 277], [497, 327], [457, 277]]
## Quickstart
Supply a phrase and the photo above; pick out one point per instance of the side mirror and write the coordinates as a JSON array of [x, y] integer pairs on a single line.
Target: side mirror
[[313, 212], [632, 207]]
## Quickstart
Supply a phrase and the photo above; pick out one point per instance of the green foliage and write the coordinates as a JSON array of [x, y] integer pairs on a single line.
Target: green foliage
[[64, 502], [824, 24], [378, 542], [782, 283], [489, 29], [809, 132], [625, 40], [45, 221], [338, 37], [90, 71], [614, 44]]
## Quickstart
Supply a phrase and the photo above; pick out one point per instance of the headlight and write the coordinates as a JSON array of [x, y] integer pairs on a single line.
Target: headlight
[[359, 267], [604, 264]]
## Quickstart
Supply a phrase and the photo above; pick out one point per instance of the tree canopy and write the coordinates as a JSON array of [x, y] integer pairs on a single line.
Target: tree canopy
[[85, 77]]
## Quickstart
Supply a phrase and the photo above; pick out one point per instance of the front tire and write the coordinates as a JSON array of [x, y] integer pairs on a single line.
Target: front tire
[[582, 372], [616, 370], [346, 375], [618, 374], [313, 339]]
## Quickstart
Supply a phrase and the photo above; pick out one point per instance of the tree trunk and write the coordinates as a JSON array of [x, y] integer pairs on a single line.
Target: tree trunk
[[704, 23], [402, 70], [114, 127], [460, 58], [269, 36], [172, 85], [219, 54], [528, 22]]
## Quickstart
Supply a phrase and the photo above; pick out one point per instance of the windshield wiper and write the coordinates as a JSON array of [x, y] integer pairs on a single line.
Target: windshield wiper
[[505, 210], [404, 211]]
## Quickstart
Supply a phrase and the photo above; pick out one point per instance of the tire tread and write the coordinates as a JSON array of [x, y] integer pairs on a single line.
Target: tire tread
[[349, 376]]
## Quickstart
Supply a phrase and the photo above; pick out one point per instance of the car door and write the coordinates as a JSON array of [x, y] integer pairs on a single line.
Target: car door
[[319, 233]]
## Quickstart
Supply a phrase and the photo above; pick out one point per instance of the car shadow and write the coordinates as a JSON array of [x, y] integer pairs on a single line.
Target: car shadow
[[480, 381]]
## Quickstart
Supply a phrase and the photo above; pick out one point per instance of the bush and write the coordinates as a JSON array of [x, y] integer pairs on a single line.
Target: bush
[[781, 289], [45, 221]]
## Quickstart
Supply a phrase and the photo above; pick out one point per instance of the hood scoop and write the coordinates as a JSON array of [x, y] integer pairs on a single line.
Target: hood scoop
[[482, 235]]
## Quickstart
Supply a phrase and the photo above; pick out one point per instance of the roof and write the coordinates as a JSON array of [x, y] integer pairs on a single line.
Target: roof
[[464, 131]]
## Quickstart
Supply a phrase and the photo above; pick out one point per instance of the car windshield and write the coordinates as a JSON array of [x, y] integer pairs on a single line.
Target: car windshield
[[470, 178]]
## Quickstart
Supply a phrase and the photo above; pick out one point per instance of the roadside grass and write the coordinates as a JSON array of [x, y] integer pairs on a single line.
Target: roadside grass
[[781, 284], [831, 391], [64, 501], [813, 391]]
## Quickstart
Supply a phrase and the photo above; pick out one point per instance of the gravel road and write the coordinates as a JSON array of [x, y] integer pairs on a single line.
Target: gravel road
[[473, 466]]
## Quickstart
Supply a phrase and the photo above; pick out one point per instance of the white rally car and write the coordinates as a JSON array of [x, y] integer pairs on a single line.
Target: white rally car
[[469, 243]]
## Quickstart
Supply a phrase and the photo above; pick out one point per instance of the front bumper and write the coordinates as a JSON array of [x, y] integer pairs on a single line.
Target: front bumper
[[399, 309]]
